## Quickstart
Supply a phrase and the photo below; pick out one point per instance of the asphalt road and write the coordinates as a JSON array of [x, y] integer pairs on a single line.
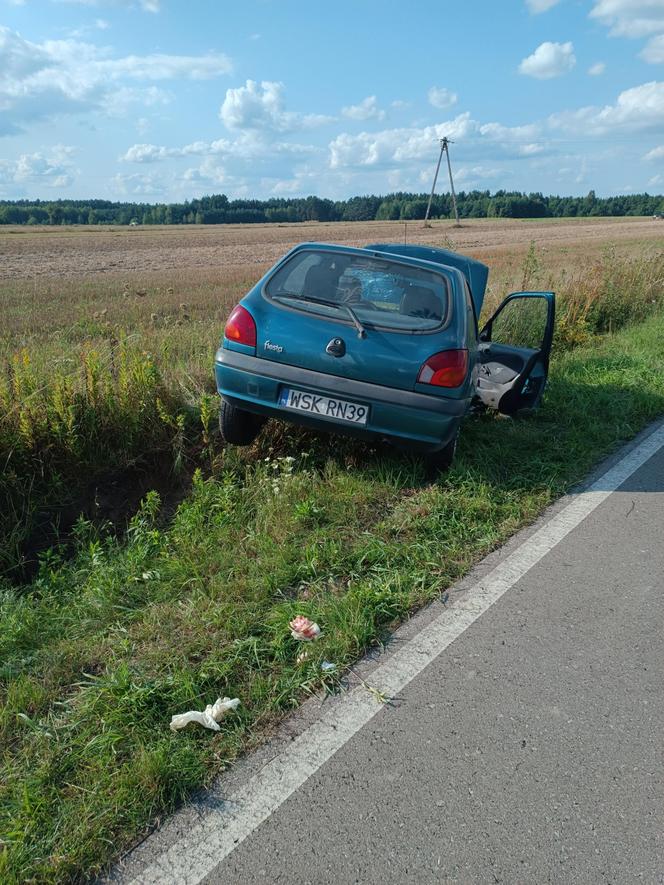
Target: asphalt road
[[529, 750]]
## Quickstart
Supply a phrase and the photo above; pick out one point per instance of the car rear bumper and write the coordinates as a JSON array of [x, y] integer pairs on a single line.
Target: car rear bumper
[[403, 416]]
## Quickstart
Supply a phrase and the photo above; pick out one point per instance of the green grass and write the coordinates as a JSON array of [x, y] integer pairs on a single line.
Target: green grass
[[102, 648]]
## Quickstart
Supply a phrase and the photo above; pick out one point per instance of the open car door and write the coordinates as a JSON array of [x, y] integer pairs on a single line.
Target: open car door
[[514, 352]]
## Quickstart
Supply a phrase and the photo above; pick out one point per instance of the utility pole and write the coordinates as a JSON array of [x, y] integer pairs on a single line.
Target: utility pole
[[435, 179], [449, 169], [444, 149]]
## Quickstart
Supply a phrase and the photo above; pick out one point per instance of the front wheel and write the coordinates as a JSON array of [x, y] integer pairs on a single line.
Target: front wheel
[[239, 428]]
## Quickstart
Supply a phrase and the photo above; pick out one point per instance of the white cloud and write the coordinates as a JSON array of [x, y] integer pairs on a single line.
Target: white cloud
[[441, 98], [510, 134], [655, 154], [391, 148], [213, 174], [635, 18], [394, 146], [653, 51], [99, 24], [305, 181], [469, 175], [537, 6], [208, 172], [630, 18], [117, 102], [51, 168], [145, 5], [260, 107], [549, 60], [143, 184], [367, 109], [656, 180], [399, 104], [597, 69], [41, 80], [167, 67], [152, 153], [639, 108], [146, 153], [246, 148]]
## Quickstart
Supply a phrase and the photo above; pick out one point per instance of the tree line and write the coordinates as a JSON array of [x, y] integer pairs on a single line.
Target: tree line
[[218, 209]]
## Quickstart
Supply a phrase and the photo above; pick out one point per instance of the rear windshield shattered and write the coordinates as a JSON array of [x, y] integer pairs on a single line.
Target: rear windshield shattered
[[380, 292]]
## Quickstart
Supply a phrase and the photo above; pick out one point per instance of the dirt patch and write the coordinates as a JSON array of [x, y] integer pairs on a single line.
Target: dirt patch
[[108, 501]]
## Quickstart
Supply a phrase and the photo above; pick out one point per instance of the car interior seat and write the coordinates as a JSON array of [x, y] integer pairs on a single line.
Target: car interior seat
[[420, 301], [321, 282]]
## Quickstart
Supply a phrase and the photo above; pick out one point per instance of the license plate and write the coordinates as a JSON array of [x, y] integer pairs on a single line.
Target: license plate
[[324, 406]]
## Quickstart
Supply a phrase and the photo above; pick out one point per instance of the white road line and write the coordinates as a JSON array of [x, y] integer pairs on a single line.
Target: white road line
[[223, 828]]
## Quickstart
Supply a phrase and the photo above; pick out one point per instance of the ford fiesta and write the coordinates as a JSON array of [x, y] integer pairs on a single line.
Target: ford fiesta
[[379, 342]]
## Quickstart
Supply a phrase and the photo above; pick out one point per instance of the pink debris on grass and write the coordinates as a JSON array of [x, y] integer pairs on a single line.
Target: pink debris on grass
[[303, 629]]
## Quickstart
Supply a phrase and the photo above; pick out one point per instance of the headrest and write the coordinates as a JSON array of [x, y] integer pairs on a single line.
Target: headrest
[[320, 282], [419, 301]]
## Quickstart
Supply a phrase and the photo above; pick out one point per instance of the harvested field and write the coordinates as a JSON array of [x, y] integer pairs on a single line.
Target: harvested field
[[53, 251]]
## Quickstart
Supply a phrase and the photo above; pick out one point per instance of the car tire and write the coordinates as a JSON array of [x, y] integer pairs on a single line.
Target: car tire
[[239, 428], [440, 461]]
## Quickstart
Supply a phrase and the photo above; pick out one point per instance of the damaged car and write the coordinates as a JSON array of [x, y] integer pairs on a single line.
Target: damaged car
[[379, 342]]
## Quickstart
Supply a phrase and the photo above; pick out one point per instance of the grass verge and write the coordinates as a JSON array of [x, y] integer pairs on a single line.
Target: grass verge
[[101, 649]]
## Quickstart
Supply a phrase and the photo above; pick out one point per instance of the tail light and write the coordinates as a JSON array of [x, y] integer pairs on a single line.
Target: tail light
[[240, 327], [445, 369]]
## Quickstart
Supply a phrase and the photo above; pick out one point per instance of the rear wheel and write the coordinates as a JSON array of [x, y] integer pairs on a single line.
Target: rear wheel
[[239, 428], [440, 461]]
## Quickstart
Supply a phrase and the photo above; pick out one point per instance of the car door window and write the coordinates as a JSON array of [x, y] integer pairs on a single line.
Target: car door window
[[521, 323]]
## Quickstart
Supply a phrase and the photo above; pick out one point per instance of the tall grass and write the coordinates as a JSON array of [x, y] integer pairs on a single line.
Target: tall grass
[[608, 294], [600, 296], [58, 433]]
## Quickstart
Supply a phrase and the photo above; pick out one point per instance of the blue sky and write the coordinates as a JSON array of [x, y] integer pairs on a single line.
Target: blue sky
[[160, 100]]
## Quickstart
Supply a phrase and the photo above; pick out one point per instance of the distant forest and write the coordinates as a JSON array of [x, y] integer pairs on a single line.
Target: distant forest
[[219, 209]]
